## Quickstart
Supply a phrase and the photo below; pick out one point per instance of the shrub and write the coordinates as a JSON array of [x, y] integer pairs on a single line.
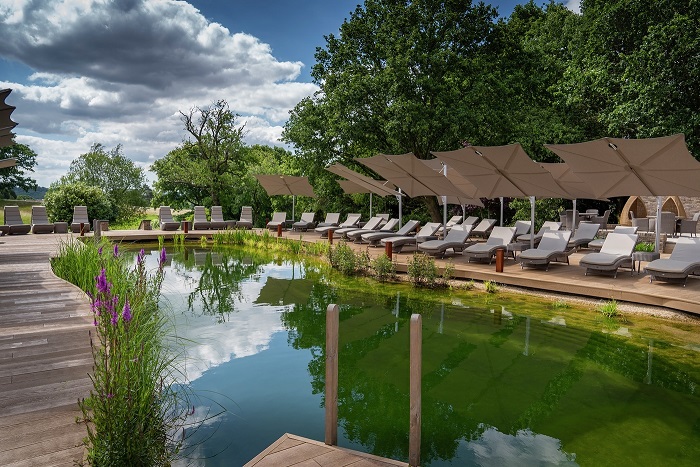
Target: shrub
[[343, 259], [422, 270], [609, 309], [61, 199], [490, 287], [384, 268], [447, 273], [645, 246]]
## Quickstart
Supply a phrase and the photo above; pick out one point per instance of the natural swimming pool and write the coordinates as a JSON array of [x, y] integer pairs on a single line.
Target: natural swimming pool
[[507, 380]]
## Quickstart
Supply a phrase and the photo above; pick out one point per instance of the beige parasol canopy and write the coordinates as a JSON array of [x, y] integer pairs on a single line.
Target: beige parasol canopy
[[467, 187], [6, 126], [286, 185], [378, 187]]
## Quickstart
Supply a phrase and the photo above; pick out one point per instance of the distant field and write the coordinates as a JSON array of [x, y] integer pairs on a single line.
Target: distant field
[[25, 208]]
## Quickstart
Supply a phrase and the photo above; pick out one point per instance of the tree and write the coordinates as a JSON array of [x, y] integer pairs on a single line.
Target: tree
[[122, 181], [63, 197], [14, 177], [402, 76]]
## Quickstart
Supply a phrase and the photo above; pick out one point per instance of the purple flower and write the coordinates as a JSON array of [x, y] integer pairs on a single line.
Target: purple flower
[[126, 312], [110, 395], [101, 283], [115, 319], [116, 250], [99, 251], [163, 257], [139, 258]]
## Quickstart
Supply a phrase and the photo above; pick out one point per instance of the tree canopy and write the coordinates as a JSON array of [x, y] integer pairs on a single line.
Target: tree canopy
[[15, 177]]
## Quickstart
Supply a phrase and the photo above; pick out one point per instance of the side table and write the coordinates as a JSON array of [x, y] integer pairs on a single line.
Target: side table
[[60, 227], [513, 248], [639, 256]]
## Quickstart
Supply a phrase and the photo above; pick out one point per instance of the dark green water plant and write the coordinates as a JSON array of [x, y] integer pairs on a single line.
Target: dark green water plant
[[132, 413]]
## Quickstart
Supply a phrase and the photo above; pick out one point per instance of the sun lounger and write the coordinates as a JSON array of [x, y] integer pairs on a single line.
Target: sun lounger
[[399, 242], [217, 219], [371, 224], [585, 233], [389, 227], [484, 228], [278, 218], [598, 242], [684, 261], [373, 238], [200, 221], [451, 222], [547, 225], [246, 219], [499, 239], [40, 221], [456, 240], [13, 222], [305, 223], [616, 253], [522, 228], [332, 218], [471, 220], [552, 247], [80, 216], [351, 221], [165, 218]]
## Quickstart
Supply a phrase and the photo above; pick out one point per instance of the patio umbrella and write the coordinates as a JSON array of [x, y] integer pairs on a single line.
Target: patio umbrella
[[471, 193], [5, 163], [499, 171], [6, 123], [369, 185], [573, 185], [411, 175], [286, 185], [644, 167]]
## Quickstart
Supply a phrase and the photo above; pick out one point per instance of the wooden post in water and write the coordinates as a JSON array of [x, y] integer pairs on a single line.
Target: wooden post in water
[[415, 362], [332, 320]]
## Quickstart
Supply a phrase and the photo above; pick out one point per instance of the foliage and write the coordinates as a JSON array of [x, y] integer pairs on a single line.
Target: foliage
[[14, 177], [609, 309], [422, 270], [201, 170], [343, 258], [62, 198], [490, 287], [645, 246], [560, 304], [384, 268], [123, 182], [131, 415], [545, 209]]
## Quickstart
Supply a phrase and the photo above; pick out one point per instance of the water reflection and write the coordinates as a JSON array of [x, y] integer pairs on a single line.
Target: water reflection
[[499, 388]]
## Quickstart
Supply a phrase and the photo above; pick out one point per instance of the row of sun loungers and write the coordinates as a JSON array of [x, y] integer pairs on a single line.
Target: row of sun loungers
[[200, 222], [40, 221]]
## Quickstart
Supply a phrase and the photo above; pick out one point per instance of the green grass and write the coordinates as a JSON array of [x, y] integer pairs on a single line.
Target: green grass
[[25, 209]]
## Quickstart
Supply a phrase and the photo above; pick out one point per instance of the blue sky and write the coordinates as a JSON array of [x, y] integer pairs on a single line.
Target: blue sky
[[118, 71]]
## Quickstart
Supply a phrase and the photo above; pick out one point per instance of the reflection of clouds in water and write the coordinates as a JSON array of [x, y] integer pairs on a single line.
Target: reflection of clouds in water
[[494, 448]]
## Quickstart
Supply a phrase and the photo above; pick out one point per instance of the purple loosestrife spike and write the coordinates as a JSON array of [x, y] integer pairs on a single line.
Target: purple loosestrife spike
[[101, 282], [99, 251], [116, 250], [163, 257], [115, 319], [126, 312], [139, 258]]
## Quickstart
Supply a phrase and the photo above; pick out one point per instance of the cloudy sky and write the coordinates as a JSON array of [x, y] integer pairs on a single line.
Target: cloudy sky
[[118, 71]]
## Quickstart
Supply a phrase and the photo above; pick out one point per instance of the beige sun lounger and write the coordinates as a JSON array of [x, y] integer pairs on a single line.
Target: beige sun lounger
[[426, 233], [598, 242], [683, 262], [499, 239], [200, 221], [305, 223], [471, 220], [165, 218], [80, 216], [457, 239], [552, 247], [522, 227], [373, 238], [246, 219], [584, 234], [332, 218], [217, 220], [278, 218], [13, 222], [484, 228], [547, 225], [616, 253], [40, 221], [372, 224], [351, 221], [389, 227]]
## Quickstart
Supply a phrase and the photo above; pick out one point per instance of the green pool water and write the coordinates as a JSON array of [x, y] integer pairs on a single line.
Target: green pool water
[[507, 379]]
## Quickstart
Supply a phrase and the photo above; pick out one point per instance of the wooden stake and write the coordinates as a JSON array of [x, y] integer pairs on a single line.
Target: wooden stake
[[332, 320], [416, 358]]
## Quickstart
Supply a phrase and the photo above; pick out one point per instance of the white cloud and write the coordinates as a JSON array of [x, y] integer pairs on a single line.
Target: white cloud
[[119, 71], [573, 5]]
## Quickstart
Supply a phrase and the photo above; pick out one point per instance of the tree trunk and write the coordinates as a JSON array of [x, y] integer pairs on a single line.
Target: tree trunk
[[433, 208]]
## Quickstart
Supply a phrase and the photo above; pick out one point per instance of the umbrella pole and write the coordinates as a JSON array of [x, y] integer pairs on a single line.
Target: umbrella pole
[[657, 236], [400, 220], [464, 212], [370, 204], [293, 200], [574, 217], [532, 222], [501, 198]]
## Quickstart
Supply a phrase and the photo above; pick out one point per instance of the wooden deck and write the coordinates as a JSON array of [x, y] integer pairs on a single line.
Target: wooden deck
[[302, 452], [45, 351], [44, 356]]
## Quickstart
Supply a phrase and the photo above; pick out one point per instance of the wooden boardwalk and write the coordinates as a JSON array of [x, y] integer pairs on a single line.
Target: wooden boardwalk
[[292, 450], [45, 350], [44, 356]]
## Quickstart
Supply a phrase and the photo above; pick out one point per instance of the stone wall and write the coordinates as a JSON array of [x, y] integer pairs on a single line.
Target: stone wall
[[691, 206]]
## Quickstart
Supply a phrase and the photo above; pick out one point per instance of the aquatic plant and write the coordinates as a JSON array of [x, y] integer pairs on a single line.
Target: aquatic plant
[[490, 287], [609, 309], [131, 413]]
